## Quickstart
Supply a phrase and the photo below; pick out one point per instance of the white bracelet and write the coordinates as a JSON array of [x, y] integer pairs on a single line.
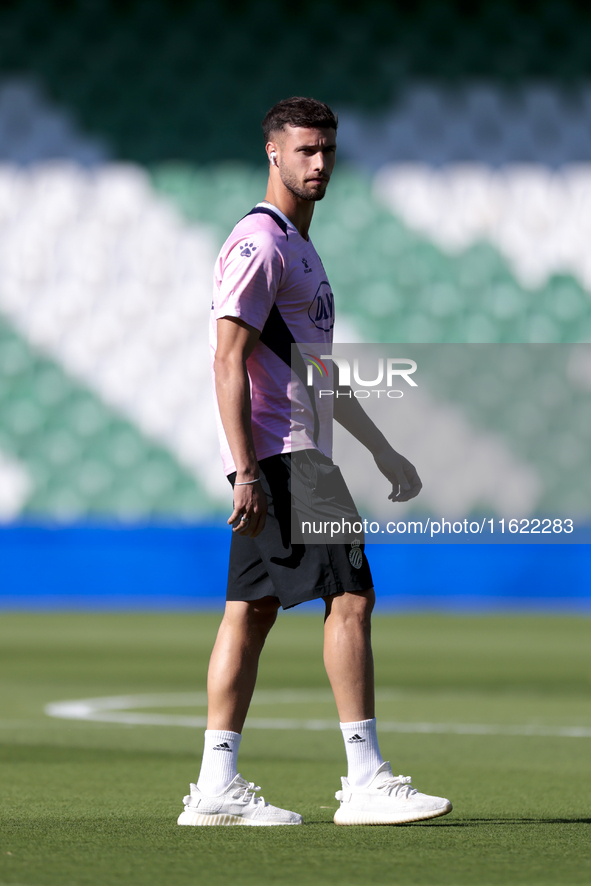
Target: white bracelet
[[248, 482]]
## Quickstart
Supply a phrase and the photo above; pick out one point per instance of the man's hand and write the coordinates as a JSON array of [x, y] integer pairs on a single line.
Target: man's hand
[[250, 510], [400, 472]]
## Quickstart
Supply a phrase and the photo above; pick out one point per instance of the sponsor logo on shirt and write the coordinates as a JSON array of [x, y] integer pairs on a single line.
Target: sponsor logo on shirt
[[321, 310]]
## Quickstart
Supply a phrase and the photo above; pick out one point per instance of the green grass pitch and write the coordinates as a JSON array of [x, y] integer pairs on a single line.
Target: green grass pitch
[[95, 803]]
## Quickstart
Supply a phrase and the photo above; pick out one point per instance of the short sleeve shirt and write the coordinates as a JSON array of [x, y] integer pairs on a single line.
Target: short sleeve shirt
[[270, 277]]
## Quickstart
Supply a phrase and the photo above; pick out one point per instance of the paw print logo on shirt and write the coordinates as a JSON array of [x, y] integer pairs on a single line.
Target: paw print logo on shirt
[[247, 249]]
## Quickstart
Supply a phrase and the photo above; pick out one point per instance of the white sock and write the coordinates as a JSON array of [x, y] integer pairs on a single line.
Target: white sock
[[363, 751], [219, 763]]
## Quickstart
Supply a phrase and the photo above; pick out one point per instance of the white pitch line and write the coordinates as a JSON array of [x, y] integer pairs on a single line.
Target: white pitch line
[[116, 709]]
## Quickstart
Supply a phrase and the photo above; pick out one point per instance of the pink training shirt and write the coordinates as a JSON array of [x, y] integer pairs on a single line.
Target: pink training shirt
[[273, 279]]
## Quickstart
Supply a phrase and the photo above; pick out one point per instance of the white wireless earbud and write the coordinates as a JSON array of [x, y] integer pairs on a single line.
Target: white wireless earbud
[[273, 158]]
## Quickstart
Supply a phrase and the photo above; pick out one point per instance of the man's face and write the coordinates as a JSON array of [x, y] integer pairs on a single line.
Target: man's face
[[306, 159]]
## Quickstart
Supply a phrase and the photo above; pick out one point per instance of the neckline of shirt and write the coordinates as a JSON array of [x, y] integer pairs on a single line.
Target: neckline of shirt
[[266, 204]]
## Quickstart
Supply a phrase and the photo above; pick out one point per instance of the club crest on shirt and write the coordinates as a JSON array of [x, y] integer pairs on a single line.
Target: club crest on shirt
[[321, 310], [247, 249]]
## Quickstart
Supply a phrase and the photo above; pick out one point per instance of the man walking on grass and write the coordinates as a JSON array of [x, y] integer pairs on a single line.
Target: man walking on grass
[[271, 290]]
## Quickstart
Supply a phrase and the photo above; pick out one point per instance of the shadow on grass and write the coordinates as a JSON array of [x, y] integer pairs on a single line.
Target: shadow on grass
[[475, 822], [465, 823]]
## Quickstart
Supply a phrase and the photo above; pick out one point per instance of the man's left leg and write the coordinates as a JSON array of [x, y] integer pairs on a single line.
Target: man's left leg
[[348, 660], [371, 793]]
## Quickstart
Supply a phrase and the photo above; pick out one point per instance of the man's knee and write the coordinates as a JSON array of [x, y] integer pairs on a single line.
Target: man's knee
[[351, 605], [254, 614], [264, 611]]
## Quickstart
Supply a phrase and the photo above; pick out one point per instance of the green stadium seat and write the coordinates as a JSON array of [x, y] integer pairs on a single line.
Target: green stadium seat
[[505, 301], [91, 478], [61, 503], [155, 477], [122, 448], [85, 415], [57, 449], [564, 300], [22, 417], [14, 357]]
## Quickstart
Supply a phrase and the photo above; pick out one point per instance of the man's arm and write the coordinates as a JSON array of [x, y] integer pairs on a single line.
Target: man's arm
[[399, 471], [235, 343]]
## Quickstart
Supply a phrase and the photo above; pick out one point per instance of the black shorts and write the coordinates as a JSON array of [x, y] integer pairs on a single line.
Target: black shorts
[[270, 565]]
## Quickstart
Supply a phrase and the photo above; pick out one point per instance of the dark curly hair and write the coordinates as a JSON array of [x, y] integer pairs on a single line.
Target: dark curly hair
[[298, 111]]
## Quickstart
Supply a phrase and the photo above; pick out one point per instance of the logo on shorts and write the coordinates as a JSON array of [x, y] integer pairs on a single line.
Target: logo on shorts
[[356, 554]]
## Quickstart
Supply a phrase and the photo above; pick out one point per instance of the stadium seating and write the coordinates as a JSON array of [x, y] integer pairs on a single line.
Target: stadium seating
[[78, 457], [128, 152], [158, 78]]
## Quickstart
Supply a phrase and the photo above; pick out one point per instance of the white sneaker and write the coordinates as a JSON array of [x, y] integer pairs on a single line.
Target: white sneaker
[[387, 799], [235, 806]]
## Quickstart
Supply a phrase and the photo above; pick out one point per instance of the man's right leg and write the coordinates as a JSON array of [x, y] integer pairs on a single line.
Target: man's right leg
[[234, 661], [221, 795], [231, 680]]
